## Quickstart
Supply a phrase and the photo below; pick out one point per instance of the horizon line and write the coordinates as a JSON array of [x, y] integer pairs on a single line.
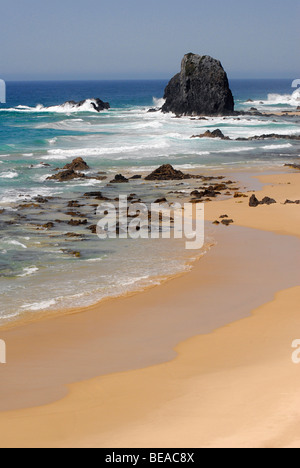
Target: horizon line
[[34, 80]]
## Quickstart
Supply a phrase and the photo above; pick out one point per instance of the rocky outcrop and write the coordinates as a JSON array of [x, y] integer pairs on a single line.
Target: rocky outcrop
[[77, 164], [119, 179], [201, 88], [291, 202], [68, 174], [293, 166], [95, 103], [71, 171], [96, 195], [210, 192], [215, 134], [270, 136], [254, 202], [167, 172], [227, 222], [77, 222]]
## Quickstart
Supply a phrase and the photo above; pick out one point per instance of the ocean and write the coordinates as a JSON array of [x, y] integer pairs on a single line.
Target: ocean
[[38, 273]]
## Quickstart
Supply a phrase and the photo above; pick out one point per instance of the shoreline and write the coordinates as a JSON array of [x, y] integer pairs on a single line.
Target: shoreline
[[217, 270], [247, 177]]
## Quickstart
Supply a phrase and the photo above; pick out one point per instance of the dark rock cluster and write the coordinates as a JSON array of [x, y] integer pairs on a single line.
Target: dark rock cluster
[[254, 202], [71, 171], [272, 136], [215, 134], [97, 104]]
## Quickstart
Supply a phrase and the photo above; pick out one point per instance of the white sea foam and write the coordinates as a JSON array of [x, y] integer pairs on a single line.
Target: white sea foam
[[43, 178], [28, 271], [55, 157], [93, 260], [71, 124], [9, 316], [149, 124], [39, 305], [9, 175], [62, 153], [292, 100], [158, 102], [132, 281], [14, 242], [67, 108], [12, 196], [236, 150], [274, 147]]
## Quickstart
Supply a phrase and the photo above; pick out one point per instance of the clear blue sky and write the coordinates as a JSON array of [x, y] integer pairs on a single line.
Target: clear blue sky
[[115, 39]]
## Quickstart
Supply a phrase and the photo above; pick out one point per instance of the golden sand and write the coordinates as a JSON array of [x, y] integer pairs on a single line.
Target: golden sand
[[235, 386]]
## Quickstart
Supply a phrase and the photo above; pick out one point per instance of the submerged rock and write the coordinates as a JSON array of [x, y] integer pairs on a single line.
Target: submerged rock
[[119, 179], [96, 195], [270, 136], [201, 88], [48, 225], [161, 200], [77, 222], [227, 222], [74, 204]]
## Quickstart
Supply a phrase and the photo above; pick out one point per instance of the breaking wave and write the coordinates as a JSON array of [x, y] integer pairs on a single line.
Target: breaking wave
[[292, 100], [66, 108]]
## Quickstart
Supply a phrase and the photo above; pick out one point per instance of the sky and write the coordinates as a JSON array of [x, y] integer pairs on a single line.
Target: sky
[[138, 39]]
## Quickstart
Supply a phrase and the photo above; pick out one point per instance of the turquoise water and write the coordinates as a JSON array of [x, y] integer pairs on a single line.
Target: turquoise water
[[37, 272]]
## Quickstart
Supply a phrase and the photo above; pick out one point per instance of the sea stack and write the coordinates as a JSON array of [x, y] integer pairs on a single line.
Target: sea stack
[[201, 88]]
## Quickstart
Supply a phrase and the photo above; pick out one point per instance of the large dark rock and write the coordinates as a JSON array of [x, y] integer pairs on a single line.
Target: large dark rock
[[201, 88], [253, 202]]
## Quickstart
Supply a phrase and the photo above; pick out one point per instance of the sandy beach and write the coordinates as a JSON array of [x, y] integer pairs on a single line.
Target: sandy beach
[[203, 360]]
